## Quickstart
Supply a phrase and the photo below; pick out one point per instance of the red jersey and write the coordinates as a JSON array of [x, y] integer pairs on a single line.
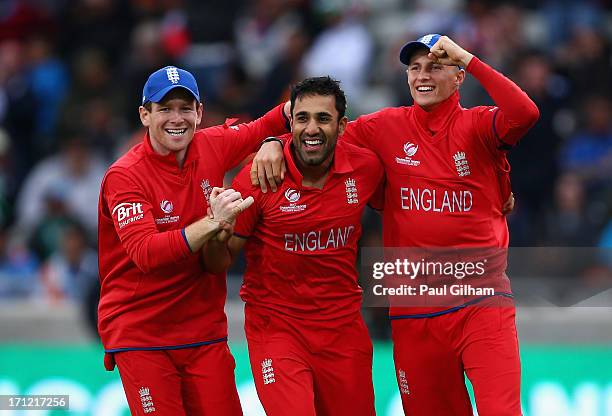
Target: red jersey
[[447, 176], [154, 291], [302, 242]]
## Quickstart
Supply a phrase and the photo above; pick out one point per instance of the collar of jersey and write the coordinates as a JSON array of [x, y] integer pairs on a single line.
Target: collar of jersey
[[169, 160], [434, 120], [341, 163]]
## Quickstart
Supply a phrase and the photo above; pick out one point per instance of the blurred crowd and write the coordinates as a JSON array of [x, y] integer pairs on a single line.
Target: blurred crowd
[[72, 71]]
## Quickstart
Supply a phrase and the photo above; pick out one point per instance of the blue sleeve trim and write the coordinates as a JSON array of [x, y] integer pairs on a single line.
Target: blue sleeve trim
[[185, 238], [242, 236], [171, 347], [503, 145], [451, 310]]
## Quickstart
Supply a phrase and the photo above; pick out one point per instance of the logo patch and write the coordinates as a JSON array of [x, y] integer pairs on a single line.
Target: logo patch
[[403, 382], [173, 75], [146, 400], [293, 196], [410, 149], [351, 191], [267, 371], [128, 212], [461, 164], [166, 206], [207, 189]]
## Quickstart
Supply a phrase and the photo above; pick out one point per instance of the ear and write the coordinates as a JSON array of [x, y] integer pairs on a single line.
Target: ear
[[460, 77], [145, 116], [342, 125], [291, 121], [200, 113]]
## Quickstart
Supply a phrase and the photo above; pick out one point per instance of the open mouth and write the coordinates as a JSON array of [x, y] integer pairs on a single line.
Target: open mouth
[[425, 88], [313, 142], [176, 132]]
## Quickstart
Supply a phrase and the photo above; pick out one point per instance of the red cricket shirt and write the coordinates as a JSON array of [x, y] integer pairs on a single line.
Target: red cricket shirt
[[154, 291], [302, 242], [446, 169]]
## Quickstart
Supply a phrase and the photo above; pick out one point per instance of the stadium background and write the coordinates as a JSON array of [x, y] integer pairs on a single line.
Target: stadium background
[[71, 75]]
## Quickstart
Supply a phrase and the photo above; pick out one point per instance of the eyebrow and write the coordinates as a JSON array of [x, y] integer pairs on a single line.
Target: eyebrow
[[321, 113]]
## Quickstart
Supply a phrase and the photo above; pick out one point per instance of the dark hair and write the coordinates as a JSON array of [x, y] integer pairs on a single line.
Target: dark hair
[[320, 86]]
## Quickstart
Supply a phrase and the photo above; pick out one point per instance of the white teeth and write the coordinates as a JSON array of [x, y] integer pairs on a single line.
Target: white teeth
[[313, 142], [176, 132], [424, 89]]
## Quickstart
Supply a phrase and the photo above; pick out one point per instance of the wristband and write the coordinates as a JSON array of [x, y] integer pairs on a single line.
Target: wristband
[[272, 139]]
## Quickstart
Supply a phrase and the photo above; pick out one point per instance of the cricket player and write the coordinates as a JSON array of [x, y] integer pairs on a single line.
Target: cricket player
[[309, 348], [433, 153], [161, 316]]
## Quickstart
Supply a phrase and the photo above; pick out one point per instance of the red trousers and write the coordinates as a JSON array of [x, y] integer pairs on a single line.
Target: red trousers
[[432, 354], [308, 368], [183, 382]]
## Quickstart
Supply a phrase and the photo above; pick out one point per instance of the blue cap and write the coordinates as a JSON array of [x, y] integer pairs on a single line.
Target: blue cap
[[166, 79], [424, 42]]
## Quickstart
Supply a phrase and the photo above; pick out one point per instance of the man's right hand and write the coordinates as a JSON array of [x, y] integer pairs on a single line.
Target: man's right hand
[[227, 204], [268, 165]]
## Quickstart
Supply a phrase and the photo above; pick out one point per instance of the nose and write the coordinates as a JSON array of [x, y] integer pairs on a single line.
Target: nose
[[312, 127], [423, 74], [175, 116]]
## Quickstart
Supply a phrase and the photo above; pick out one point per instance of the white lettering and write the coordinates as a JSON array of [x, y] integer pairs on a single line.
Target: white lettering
[[436, 200], [318, 240]]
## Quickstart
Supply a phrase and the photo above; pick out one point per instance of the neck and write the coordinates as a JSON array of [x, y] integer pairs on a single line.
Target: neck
[[313, 175], [180, 158], [160, 150]]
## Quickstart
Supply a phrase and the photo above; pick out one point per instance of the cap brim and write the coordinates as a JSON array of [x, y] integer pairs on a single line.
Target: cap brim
[[159, 95], [409, 49]]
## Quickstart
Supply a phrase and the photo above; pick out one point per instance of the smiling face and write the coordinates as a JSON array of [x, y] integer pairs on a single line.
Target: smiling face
[[431, 83], [172, 122], [315, 125]]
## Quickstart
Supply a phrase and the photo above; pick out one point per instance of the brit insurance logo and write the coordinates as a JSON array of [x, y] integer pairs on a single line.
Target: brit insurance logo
[[410, 149], [293, 196], [128, 212], [167, 207]]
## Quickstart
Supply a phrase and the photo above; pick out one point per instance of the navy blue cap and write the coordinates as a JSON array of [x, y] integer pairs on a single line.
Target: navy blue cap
[[424, 42], [166, 79]]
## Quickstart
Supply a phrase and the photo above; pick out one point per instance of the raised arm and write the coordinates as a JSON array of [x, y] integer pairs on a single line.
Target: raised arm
[[234, 142], [515, 114]]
